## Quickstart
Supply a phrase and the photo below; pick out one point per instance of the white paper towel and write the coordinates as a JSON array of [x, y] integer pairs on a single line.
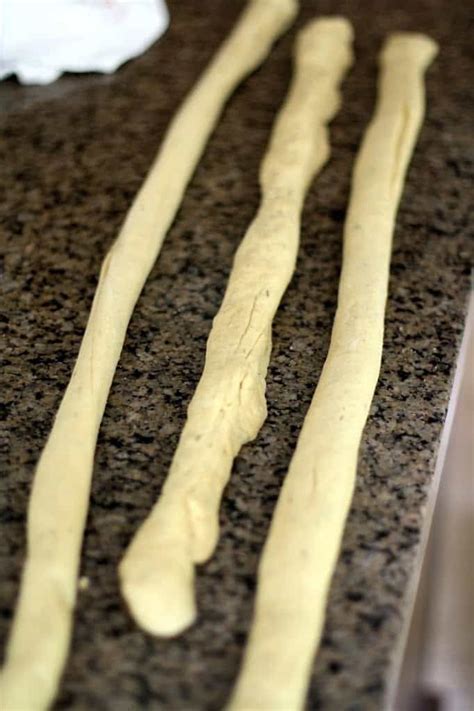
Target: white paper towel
[[41, 39]]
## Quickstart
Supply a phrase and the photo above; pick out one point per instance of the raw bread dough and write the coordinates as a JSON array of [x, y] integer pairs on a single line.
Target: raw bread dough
[[228, 407], [303, 543], [42, 625]]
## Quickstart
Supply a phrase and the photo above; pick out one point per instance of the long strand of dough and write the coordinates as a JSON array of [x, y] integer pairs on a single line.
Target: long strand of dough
[[59, 499], [228, 407], [304, 539]]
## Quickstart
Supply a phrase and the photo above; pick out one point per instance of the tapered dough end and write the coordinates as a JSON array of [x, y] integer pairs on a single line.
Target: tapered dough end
[[288, 8], [337, 25], [282, 11], [412, 46], [326, 41], [160, 599]]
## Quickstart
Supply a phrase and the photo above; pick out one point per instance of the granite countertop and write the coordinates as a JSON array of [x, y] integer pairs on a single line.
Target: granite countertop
[[73, 156]]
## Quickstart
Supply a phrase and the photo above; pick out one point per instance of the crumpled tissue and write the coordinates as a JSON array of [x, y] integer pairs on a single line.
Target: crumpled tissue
[[41, 39]]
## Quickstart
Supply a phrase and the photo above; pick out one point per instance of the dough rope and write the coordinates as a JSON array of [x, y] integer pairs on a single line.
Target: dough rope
[[41, 630], [228, 407], [302, 547]]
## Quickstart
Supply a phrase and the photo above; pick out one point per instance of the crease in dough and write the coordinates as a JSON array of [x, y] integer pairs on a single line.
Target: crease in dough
[[42, 624], [303, 544], [228, 407]]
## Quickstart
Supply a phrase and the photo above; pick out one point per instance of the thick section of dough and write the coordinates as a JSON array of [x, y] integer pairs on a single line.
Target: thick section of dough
[[228, 407], [58, 506], [304, 539]]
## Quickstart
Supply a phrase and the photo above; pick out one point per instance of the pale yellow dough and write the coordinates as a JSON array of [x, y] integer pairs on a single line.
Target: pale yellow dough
[[42, 625], [304, 539], [228, 407]]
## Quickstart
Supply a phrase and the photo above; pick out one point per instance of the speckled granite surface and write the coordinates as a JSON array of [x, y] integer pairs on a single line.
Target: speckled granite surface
[[73, 155]]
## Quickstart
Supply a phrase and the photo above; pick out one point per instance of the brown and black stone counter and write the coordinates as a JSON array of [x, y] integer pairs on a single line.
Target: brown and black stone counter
[[72, 156]]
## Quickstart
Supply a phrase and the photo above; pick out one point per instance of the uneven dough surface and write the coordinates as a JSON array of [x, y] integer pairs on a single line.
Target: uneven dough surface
[[41, 630], [304, 539], [228, 407]]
